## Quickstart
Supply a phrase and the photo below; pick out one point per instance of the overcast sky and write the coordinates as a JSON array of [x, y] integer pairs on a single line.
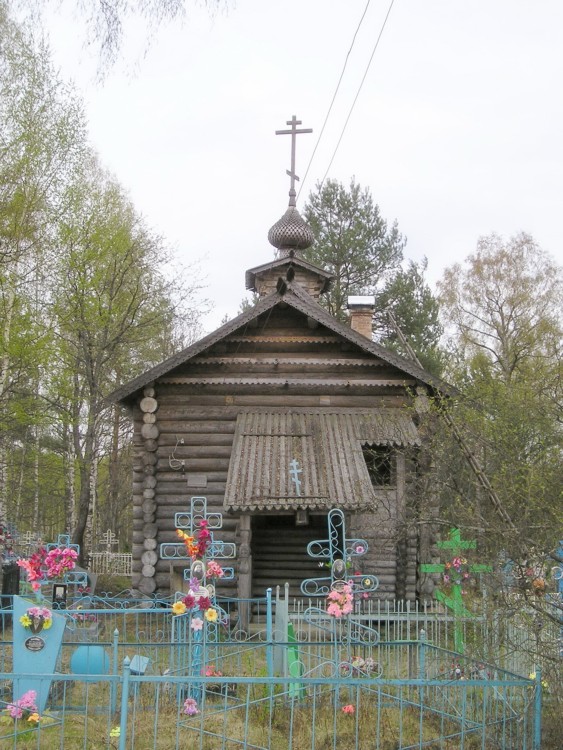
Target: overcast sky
[[457, 131]]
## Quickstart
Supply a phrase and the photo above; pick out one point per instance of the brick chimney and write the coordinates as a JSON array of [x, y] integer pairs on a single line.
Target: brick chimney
[[361, 315]]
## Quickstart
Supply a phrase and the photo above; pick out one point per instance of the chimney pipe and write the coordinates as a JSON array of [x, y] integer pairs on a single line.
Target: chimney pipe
[[361, 315]]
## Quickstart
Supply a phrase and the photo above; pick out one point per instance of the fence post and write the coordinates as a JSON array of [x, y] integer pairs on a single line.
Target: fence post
[[269, 634], [422, 655], [537, 710], [124, 703], [113, 689]]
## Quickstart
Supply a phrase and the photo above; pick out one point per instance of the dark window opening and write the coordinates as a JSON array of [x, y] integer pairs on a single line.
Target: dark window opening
[[380, 463]]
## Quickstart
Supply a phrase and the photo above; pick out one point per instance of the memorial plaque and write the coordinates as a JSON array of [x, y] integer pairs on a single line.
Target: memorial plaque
[[34, 643]]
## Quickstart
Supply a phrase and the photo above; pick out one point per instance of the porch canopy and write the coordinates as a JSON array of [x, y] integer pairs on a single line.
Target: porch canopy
[[327, 446]]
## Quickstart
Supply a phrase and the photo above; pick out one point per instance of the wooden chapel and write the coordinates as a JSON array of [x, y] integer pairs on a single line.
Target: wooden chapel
[[276, 417]]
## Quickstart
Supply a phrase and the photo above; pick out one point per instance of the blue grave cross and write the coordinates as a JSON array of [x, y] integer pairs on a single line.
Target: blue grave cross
[[189, 522], [336, 553], [72, 577]]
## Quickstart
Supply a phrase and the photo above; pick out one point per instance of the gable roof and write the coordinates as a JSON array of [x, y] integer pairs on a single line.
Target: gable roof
[[293, 295]]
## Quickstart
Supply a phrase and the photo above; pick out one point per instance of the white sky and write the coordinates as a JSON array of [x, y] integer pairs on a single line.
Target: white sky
[[458, 130]]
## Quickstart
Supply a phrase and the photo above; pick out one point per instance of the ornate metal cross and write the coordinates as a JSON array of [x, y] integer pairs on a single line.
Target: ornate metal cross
[[291, 172], [455, 602], [336, 553], [109, 540], [189, 522]]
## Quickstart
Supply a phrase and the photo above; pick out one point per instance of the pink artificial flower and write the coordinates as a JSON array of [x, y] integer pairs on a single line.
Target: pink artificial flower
[[214, 569], [190, 707], [334, 610], [349, 709], [197, 624]]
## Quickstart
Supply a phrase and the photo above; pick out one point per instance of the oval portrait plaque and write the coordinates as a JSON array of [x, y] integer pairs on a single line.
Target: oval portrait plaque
[[34, 643]]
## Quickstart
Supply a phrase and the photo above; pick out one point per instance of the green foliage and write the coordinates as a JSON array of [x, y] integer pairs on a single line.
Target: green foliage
[[88, 300], [503, 313], [353, 242], [415, 310]]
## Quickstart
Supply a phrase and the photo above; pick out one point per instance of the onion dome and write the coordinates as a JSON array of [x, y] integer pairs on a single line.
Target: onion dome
[[291, 232]]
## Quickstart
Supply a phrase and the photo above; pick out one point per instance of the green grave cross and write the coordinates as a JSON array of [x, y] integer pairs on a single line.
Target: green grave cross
[[456, 545]]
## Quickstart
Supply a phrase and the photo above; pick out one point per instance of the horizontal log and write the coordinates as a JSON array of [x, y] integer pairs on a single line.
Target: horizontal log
[[148, 517], [150, 530], [148, 571], [182, 499], [150, 544], [148, 404], [149, 557], [149, 391], [189, 452], [175, 476], [162, 580], [150, 431], [167, 441], [149, 506], [199, 464], [149, 493], [151, 445], [149, 418], [147, 585]]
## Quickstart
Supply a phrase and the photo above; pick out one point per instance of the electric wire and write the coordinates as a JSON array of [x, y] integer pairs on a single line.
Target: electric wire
[[334, 97], [358, 92]]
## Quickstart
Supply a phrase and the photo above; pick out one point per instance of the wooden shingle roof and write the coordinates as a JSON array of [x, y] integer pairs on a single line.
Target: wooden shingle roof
[[294, 296]]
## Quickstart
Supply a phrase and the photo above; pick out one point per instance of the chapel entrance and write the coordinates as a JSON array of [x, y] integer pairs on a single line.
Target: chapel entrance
[[279, 552]]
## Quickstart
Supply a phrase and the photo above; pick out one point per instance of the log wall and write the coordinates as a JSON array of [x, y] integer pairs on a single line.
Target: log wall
[[185, 425]]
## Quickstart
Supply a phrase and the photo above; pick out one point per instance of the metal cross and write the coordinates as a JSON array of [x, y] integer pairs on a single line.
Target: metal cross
[[291, 172], [335, 553], [294, 472], [109, 539], [455, 602], [189, 522]]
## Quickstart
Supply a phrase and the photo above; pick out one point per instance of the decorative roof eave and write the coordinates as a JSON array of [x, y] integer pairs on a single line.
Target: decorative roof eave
[[280, 263], [295, 297], [287, 382], [306, 304]]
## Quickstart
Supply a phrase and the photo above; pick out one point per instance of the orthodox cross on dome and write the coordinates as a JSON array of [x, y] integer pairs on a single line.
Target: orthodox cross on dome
[[294, 122]]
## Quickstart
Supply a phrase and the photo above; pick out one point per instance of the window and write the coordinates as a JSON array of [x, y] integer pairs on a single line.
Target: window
[[380, 463]]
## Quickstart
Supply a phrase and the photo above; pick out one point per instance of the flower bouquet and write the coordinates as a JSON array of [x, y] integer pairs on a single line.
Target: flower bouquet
[[340, 601], [37, 619], [24, 713]]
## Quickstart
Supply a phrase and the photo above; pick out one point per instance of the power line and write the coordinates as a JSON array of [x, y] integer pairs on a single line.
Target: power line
[[359, 90], [334, 96]]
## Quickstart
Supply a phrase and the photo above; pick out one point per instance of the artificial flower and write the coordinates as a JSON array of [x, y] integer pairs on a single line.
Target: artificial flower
[[196, 624], [349, 709], [190, 707], [204, 603], [211, 615], [189, 601], [214, 569], [34, 717], [25, 621], [178, 608]]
